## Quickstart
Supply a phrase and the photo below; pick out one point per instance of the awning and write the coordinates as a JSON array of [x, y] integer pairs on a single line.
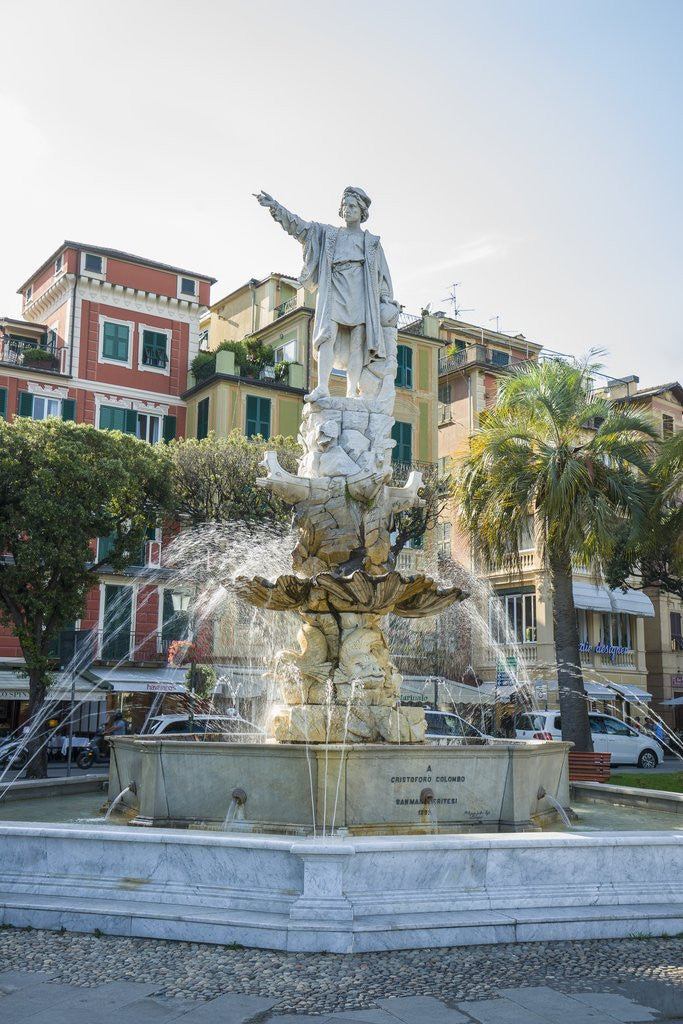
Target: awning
[[591, 596], [598, 598], [596, 691], [672, 702], [422, 688], [632, 693], [14, 686], [131, 680], [632, 602]]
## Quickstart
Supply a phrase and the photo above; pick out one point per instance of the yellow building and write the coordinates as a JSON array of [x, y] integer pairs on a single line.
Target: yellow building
[[520, 606]]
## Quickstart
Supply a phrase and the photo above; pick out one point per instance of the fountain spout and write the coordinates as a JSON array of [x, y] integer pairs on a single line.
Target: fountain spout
[[130, 788]]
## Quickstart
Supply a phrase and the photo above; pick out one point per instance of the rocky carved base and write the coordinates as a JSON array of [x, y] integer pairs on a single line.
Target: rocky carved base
[[353, 723]]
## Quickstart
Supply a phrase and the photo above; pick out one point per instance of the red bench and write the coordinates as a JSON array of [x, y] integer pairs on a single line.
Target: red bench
[[588, 767]]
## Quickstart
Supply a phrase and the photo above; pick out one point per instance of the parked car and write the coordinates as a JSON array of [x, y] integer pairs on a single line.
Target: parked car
[[610, 736], [13, 749], [445, 728], [233, 725]]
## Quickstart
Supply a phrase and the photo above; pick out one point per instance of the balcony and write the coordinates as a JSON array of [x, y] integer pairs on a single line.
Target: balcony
[[285, 307], [476, 355], [402, 470], [114, 645], [32, 354], [527, 652]]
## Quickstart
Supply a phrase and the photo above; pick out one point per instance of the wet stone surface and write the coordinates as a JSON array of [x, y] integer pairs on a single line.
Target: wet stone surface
[[327, 983]]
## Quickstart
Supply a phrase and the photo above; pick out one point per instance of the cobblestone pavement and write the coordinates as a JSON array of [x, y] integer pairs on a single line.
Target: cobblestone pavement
[[329, 983]]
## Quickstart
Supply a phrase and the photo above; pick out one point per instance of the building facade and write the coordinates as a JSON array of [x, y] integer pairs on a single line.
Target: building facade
[[105, 338]]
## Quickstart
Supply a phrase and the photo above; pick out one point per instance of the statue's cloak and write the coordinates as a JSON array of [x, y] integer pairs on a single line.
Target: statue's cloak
[[319, 242]]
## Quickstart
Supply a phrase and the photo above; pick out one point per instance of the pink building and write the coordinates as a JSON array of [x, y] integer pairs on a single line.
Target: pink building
[[105, 338]]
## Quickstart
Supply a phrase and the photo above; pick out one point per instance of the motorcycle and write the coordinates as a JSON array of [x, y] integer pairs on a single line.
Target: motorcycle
[[93, 753]]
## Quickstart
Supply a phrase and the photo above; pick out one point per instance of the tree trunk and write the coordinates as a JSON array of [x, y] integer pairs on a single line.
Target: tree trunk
[[573, 701], [37, 744]]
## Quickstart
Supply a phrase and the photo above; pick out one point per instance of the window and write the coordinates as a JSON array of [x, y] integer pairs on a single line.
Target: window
[[188, 286], [499, 358], [286, 353], [615, 630], [175, 616], [676, 637], [203, 419], [526, 535], [45, 407], [582, 624], [258, 417], [443, 466], [404, 369], [114, 417], [59, 263], [402, 434], [93, 263], [28, 293], [3, 403], [115, 338], [443, 539], [597, 724], [445, 394], [117, 623], [512, 618], [613, 727], [667, 425], [147, 428], [154, 349]]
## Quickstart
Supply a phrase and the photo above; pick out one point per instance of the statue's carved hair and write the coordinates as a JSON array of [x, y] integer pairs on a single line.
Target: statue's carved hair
[[361, 198]]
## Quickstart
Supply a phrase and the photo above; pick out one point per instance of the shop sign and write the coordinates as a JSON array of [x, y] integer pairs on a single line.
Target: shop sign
[[14, 694], [677, 682], [610, 649], [164, 688], [506, 671]]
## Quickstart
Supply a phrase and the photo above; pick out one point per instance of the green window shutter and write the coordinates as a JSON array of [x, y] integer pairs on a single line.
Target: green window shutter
[[3, 403], [404, 368], [402, 434], [25, 404], [131, 421], [169, 428], [115, 341], [154, 349], [258, 417], [105, 545], [68, 408], [112, 417], [203, 419]]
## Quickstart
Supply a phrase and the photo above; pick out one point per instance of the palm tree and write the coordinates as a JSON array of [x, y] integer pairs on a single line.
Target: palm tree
[[553, 447]]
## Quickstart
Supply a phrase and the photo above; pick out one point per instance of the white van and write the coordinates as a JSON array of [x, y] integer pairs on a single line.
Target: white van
[[610, 736], [233, 725]]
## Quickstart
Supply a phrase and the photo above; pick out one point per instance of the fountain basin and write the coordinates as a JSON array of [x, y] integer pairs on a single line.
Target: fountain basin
[[341, 895], [362, 789]]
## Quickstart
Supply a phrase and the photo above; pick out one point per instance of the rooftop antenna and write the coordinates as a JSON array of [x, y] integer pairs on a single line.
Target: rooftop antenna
[[451, 297], [497, 319]]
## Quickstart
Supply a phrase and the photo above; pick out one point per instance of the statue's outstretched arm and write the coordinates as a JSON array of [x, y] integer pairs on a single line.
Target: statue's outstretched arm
[[292, 224]]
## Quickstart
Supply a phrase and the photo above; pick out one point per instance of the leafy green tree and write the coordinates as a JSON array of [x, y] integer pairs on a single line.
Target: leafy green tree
[[537, 451], [61, 486], [214, 480], [654, 558]]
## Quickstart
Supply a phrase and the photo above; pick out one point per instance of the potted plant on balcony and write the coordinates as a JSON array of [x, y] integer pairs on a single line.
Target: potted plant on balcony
[[40, 359]]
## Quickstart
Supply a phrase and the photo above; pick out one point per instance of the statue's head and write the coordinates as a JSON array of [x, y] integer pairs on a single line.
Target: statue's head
[[354, 199]]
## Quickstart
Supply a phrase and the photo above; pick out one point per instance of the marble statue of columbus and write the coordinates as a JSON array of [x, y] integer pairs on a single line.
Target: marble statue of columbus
[[356, 314]]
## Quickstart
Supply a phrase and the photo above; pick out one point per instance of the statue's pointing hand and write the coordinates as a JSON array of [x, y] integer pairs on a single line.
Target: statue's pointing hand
[[265, 200]]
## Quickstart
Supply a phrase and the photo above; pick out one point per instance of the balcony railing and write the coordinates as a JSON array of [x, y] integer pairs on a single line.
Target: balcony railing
[[285, 307], [402, 470], [38, 354], [476, 354], [529, 652], [409, 323]]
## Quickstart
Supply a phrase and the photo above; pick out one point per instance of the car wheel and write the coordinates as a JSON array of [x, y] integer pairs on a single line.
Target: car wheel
[[648, 759]]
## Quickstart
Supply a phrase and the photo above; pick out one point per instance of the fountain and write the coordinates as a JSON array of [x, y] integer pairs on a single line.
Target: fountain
[[345, 832], [348, 754]]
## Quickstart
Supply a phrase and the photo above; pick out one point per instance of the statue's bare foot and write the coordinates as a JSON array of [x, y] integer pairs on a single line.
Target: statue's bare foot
[[317, 394]]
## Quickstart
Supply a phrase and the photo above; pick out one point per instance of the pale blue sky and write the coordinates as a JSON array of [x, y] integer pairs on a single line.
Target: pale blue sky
[[531, 150]]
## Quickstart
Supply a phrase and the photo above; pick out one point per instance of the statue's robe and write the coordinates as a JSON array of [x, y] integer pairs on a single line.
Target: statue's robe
[[319, 241]]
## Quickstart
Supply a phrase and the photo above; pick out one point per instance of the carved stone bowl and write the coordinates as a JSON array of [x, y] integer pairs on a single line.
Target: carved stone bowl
[[408, 596]]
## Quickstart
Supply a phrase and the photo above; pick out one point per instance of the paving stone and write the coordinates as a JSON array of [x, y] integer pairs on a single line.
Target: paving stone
[[231, 1008], [626, 1011], [10, 981], [149, 1010], [97, 1000], [30, 1000], [557, 1007], [418, 1009], [499, 1011], [369, 1016]]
